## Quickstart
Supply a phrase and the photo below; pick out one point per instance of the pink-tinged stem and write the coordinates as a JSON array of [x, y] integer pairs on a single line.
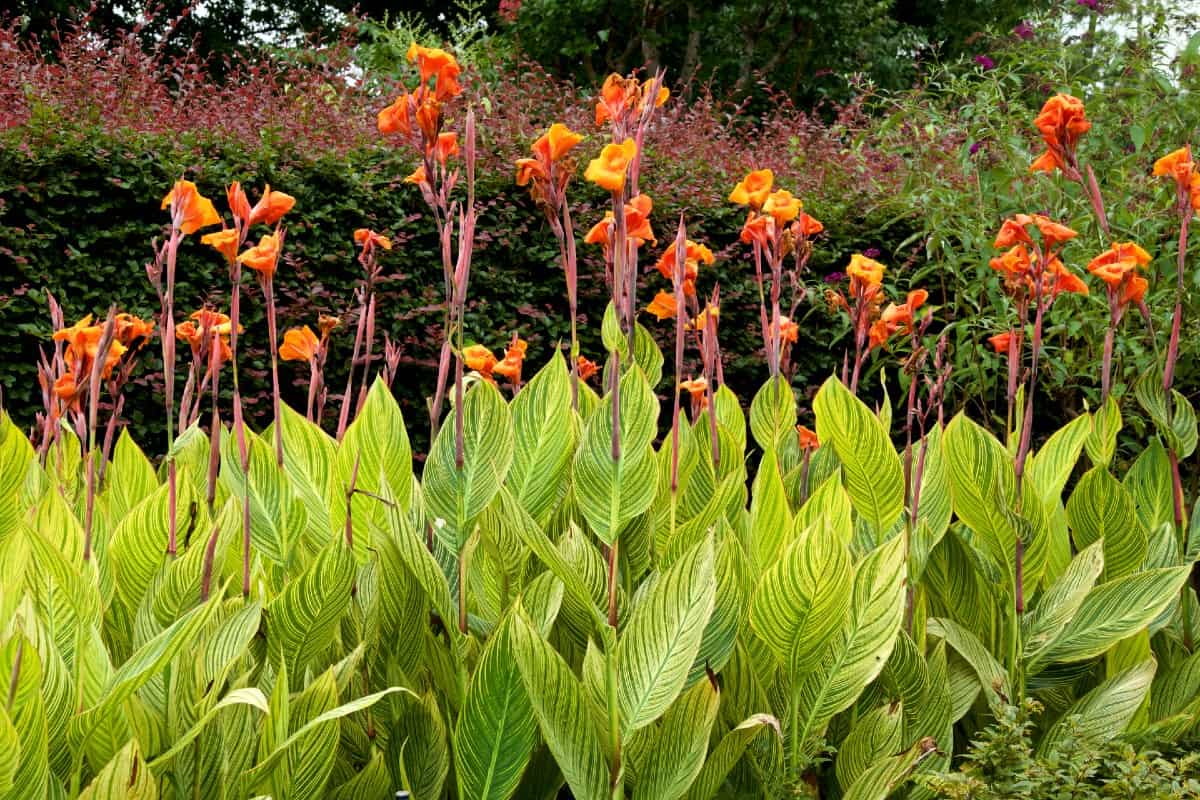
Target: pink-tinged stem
[[711, 358], [370, 340], [349, 503], [272, 332], [106, 337], [110, 436], [571, 267], [344, 414], [210, 557], [1027, 428], [1014, 368], [1106, 363], [680, 310], [614, 388], [239, 428], [214, 434], [313, 377]]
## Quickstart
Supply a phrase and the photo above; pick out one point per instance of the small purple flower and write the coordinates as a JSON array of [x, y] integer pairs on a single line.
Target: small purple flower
[[871, 252], [1024, 31], [985, 62], [975, 146], [1094, 5], [835, 277]]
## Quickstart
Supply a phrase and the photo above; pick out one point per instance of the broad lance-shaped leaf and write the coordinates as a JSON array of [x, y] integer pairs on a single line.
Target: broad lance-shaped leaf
[[1114, 611], [609, 492], [770, 518], [1149, 482], [982, 484], [803, 599], [496, 730], [139, 543], [1101, 509], [857, 652], [248, 696], [1175, 419], [870, 466], [773, 414], [991, 675], [28, 718], [660, 641], [725, 756], [676, 752], [378, 442], [124, 778], [310, 453], [1050, 468], [545, 439], [1060, 603], [277, 518], [303, 619], [1105, 712], [562, 712], [1101, 445], [876, 735], [456, 496]]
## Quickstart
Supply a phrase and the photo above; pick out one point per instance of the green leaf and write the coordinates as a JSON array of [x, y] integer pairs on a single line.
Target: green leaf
[[561, 710], [1114, 611], [124, 778], [303, 619], [991, 675], [1061, 602], [455, 496], [1105, 712], [773, 414], [248, 696], [876, 735], [139, 542], [675, 754], [496, 730], [982, 484], [308, 461], [1106, 424], [870, 466], [27, 714], [1149, 481], [803, 600], [857, 653], [423, 755], [728, 753], [378, 442], [770, 518], [545, 439], [611, 492], [663, 635], [1174, 418], [883, 777], [1050, 468], [1100, 509]]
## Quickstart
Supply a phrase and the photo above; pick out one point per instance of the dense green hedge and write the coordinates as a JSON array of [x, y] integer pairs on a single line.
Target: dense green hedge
[[80, 212]]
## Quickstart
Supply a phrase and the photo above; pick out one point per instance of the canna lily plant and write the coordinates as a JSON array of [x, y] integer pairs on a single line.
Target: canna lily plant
[[567, 597]]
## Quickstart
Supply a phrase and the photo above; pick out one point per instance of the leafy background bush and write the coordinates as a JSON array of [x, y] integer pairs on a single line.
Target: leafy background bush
[[922, 175]]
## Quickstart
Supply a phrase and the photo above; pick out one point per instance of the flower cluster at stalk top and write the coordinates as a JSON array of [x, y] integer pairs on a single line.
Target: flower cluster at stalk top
[[1025, 259], [84, 341], [1062, 122], [421, 110], [1179, 166]]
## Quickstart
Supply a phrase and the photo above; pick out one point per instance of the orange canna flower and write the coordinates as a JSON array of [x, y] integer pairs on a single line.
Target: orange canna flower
[[429, 118], [585, 367], [660, 99], [556, 142], [417, 176], [130, 328], [1061, 122], [900, 317], [67, 390], [446, 147], [514, 357], [1014, 262], [224, 241], [808, 438], [1177, 164], [701, 320], [789, 332], [698, 389], [1115, 263], [759, 229], [782, 206], [867, 271], [807, 226], [195, 211], [1012, 232], [271, 207], [299, 344], [433, 62], [879, 334], [69, 334], [480, 359], [694, 255], [530, 169], [601, 231], [1063, 280], [263, 257], [608, 170], [325, 324], [1001, 341], [1135, 290], [616, 95], [395, 118], [367, 237], [239, 204], [637, 219], [662, 306], [1053, 233], [753, 189]]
